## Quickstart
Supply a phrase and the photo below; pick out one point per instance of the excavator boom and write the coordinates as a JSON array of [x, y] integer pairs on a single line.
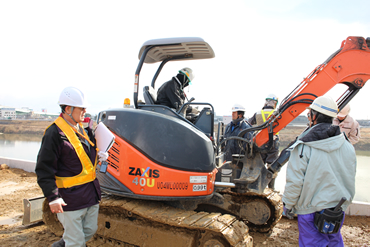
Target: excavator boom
[[349, 66]]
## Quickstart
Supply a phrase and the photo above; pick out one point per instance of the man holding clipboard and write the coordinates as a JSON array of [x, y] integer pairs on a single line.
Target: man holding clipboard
[[65, 170], [104, 141]]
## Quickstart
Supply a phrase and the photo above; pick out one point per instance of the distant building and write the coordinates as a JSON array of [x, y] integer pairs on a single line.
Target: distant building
[[226, 119], [7, 113]]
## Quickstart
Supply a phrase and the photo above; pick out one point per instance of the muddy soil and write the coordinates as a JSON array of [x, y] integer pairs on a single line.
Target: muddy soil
[[16, 184]]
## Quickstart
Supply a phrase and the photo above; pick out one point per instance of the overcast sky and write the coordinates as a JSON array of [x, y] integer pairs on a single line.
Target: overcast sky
[[261, 47]]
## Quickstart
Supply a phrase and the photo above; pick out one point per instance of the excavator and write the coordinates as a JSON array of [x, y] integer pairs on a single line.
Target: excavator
[[166, 183]]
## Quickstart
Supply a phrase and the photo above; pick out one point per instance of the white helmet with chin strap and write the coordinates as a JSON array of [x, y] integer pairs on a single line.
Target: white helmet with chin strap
[[345, 111], [325, 105], [238, 107], [272, 97], [73, 97], [188, 72]]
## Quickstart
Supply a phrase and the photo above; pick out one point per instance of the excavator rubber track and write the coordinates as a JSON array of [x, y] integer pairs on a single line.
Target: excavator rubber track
[[257, 202], [131, 222]]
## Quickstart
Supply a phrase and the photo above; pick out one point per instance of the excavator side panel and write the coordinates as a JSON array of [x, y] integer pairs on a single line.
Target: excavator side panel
[[142, 176]]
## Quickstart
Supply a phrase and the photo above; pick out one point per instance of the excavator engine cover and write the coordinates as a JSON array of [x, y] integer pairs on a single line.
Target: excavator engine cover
[[156, 157]]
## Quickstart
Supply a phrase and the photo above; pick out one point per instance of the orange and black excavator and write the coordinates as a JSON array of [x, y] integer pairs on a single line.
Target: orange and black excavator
[[164, 180]]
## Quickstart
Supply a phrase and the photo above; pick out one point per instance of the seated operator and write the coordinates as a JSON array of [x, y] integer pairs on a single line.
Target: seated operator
[[171, 93]]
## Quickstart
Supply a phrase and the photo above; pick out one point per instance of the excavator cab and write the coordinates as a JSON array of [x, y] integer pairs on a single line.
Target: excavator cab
[[175, 49]]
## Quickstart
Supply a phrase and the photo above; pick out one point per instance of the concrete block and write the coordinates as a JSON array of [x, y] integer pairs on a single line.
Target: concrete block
[[358, 209], [26, 165]]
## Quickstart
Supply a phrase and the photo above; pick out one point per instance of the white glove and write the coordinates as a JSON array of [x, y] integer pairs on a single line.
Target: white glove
[[58, 201], [103, 156]]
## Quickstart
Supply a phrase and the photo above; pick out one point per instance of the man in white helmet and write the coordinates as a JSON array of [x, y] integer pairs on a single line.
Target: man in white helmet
[[348, 125], [65, 170], [259, 118], [321, 171], [236, 125], [171, 93]]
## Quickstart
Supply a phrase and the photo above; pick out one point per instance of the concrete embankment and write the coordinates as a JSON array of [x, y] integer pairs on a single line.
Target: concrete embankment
[[355, 209]]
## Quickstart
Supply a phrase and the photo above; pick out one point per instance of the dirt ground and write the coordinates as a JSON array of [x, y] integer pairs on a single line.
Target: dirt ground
[[16, 184]]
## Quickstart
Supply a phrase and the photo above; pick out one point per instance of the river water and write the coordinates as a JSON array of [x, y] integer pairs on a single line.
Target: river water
[[27, 147]]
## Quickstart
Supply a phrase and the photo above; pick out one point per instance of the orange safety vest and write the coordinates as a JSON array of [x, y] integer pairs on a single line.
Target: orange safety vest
[[88, 173]]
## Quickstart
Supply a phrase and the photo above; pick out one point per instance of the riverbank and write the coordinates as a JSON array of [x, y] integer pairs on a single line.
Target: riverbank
[[34, 129], [24, 127]]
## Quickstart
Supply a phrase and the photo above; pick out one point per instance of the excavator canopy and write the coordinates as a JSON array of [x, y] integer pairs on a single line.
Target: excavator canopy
[[190, 47]]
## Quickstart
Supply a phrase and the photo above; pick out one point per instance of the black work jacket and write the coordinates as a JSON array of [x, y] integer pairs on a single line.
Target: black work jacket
[[171, 94], [57, 157], [232, 146]]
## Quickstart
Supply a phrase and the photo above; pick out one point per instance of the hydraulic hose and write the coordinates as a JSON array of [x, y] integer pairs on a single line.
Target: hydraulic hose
[[231, 138], [270, 121]]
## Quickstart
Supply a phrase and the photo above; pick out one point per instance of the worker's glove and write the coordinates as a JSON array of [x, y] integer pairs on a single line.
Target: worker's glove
[[56, 205], [288, 213], [59, 201], [103, 156]]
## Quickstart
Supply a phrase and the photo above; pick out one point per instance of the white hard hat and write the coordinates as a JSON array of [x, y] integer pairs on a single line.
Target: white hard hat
[[72, 96], [188, 72], [344, 112], [238, 107], [272, 97], [325, 105]]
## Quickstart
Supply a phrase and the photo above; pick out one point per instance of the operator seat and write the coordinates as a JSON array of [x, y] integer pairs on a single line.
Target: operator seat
[[150, 96]]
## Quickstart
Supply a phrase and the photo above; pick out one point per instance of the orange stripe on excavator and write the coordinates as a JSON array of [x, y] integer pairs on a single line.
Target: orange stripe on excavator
[[340, 69], [145, 177]]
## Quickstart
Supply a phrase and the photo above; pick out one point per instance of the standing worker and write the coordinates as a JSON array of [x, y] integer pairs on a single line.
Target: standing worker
[[348, 125], [236, 125], [321, 171], [171, 93], [65, 170], [259, 118]]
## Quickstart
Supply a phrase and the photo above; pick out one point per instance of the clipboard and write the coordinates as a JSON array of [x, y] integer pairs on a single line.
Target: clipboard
[[104, 137]]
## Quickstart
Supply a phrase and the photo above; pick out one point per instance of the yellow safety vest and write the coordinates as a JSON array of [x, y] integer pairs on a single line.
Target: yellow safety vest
[[263, 116], [264, 113], [88, 173]]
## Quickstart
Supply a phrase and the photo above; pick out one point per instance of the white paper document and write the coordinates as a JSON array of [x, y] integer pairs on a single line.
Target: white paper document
[[104, 138]]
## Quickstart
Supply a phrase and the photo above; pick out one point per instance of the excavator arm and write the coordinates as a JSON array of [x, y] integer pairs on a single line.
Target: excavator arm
[[349, 65]]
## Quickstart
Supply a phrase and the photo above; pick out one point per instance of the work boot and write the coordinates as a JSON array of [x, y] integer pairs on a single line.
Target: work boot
[[59, 243]]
